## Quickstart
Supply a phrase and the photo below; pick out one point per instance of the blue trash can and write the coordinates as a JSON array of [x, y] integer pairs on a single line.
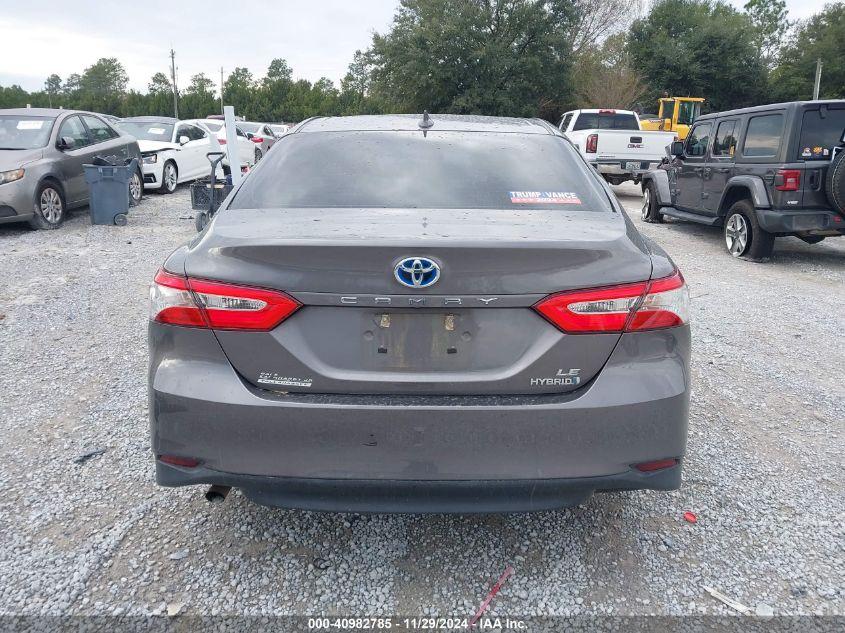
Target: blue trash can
[[108, 187]]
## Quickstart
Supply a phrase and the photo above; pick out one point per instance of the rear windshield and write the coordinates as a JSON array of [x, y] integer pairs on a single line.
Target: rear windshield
[[605, 121], [821, 131], [24, 132], [445, 170], [147, 130]]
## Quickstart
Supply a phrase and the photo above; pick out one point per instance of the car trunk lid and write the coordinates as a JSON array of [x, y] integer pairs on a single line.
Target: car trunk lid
[[472, 332]]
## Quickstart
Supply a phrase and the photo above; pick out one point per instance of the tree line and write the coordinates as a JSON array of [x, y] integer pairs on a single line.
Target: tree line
[[511, 57]]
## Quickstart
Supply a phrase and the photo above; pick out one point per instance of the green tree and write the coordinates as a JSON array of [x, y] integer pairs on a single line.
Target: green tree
[[239, 91], [821, 37], [199, 99], [274, 91], [699, 48], [771, 25], [499, 57], [53, 87], [102, 86]]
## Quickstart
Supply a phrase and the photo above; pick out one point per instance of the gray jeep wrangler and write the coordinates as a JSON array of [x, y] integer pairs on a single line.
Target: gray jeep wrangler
[[760, 173]]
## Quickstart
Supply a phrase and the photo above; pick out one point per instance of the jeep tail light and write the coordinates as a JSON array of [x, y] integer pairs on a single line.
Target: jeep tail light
[[178, 300], [592, 143], [647, 305], [788, 180]]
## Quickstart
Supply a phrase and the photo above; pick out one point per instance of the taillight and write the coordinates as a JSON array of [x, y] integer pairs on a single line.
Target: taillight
[[257, 139], [178, 300], [222, 141], [788, 180], [647, 305], [607, 111], [592, 143]]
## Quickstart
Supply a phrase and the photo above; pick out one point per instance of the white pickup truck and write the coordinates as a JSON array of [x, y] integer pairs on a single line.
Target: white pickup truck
[[613, 143]]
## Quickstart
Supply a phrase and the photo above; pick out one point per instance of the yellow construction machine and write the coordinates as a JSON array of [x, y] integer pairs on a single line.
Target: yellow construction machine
[[676, 114]]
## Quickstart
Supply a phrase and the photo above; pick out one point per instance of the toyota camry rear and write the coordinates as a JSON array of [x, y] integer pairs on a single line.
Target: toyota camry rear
[[405, 313]]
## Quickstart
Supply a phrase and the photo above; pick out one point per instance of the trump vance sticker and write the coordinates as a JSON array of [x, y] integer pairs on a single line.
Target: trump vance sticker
[[544, 197]]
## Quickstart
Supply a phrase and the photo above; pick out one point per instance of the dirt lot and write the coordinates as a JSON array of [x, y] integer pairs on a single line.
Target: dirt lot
[[96, 536]]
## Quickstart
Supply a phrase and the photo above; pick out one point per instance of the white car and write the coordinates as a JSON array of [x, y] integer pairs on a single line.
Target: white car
[[247, 151], [613, 143], [172, 151]]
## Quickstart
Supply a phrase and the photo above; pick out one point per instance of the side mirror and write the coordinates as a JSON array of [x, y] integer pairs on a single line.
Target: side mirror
[[66, 143], [677, 148], [249, 135], [184, 139]]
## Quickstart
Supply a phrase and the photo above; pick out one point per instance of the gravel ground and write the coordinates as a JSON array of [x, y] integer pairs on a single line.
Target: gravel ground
[[764, 470]]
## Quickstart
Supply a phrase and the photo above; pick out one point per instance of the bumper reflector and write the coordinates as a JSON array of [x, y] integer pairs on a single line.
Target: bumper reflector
[[660, 464], [176, 460]]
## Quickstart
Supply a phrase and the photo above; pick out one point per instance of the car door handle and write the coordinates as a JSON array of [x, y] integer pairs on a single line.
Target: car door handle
[[723, 170]]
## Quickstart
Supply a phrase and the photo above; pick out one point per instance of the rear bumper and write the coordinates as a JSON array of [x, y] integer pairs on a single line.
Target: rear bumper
[[416, 453], [417, 496], [792, 221], [617, 168]]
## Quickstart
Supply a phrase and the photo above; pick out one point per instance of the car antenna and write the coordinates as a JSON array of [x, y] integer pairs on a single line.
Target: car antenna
[[426, 124]]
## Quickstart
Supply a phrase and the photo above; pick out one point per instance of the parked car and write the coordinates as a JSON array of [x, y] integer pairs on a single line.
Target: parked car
[[613, 142], [261, 135], [760, 173], [403, 314], [173, 151], [246, 148], [42, 152]]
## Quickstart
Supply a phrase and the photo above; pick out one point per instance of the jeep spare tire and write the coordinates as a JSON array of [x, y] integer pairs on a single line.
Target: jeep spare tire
[[835, 183]]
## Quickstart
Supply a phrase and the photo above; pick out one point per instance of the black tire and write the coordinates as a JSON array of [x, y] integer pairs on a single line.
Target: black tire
[[650, 211], [49, 207], [201, 220], [834, 184], [743, 235], [168, 185], [136, 196], [120, 219]]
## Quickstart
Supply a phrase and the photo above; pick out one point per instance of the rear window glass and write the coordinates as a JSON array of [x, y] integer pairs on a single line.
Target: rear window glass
[[24, 132], [820, 133], [148, 130], [446, 170], [763, 136], [605, 121]]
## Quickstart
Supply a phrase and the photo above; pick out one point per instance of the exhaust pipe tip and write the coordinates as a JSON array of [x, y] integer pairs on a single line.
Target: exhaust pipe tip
[[217, 494]]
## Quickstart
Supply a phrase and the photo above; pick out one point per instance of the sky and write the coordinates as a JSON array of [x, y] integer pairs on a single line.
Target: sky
[[317, 37]]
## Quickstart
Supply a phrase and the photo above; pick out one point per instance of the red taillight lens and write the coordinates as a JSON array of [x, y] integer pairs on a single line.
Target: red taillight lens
[[592, 143], [171, 301], [257, 139], [651, 305], [788, 180], [178, 300], [222, 141]]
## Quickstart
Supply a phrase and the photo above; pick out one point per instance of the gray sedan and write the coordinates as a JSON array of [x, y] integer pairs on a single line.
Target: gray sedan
[[42, 152], [396, 313]]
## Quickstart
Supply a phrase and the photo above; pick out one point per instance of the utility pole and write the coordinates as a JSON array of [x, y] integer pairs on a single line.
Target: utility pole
[[173, 80], [818, 79], [221, 90]]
